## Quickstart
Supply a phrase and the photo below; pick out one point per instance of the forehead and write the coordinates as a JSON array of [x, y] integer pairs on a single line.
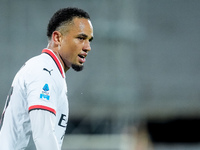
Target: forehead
[[81, 25]]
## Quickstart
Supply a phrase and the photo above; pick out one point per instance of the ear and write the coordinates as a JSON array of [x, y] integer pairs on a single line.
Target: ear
[[56, 37]]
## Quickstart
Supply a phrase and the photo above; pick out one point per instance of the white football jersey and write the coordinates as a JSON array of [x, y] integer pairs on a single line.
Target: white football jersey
[[39, 86]]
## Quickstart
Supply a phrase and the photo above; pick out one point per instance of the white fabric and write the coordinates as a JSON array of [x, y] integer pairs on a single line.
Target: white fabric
[[44, 135], [43, 93]]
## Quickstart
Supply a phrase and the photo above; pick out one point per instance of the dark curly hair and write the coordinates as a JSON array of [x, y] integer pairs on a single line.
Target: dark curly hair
[[64, 15]]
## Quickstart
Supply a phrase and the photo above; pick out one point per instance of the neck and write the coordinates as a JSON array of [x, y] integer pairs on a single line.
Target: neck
[[56, 52]]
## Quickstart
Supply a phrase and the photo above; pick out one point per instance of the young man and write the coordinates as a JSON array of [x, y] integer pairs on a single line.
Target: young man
[[37, 103]]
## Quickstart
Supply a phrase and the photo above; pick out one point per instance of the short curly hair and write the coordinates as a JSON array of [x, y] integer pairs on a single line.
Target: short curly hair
[[63, 16]]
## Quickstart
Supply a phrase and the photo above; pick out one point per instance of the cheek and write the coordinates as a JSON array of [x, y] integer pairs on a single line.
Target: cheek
[[77, 46], [72, 48]]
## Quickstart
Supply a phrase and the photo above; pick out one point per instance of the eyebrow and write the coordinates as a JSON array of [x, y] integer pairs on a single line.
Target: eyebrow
[[85, 36]]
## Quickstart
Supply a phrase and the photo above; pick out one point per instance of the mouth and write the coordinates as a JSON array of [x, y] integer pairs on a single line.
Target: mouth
[[81, 58]]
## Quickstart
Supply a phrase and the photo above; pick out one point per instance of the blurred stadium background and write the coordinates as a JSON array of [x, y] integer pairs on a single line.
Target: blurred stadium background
[[140, 89]]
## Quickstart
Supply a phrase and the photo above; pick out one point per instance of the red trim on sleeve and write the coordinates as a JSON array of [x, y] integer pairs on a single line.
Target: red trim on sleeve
[[49, 52], [41, 107]]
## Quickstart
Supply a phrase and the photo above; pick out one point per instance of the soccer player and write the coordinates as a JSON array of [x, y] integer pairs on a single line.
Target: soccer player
[[37, 104]]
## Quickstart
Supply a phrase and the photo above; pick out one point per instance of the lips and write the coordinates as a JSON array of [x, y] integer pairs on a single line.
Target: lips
[[82, 57]]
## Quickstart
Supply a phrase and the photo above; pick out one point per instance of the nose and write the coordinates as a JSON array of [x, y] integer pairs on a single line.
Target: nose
[[87, 46]]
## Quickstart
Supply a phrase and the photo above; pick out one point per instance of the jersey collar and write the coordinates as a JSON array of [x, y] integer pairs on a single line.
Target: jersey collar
[[56, 60]]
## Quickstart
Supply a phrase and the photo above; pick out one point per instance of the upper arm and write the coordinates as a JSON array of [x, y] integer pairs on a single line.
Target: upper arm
[[41, 101]]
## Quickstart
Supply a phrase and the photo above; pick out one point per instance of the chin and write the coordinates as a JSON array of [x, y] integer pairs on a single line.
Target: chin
[[77, 67]]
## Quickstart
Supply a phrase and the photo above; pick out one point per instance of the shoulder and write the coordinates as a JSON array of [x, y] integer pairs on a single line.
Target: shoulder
[[36, 69], [36, 62], [41, 68]]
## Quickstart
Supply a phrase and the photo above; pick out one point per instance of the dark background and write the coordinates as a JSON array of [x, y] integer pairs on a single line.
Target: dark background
[[144, 65]]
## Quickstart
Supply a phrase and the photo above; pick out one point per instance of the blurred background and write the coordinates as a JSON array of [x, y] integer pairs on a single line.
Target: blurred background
[[140, 86]]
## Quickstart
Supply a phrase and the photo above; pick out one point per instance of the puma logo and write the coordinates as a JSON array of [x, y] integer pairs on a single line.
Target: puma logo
[[48, 70]]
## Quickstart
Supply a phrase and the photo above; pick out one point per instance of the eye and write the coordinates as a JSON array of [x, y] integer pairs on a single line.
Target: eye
[[81, 38], [90, 40]]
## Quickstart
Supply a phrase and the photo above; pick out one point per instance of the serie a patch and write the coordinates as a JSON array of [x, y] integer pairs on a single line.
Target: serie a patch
[[45, 92]]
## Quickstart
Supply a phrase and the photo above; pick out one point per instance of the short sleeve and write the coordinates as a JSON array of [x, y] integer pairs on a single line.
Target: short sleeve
[[41, 92]]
